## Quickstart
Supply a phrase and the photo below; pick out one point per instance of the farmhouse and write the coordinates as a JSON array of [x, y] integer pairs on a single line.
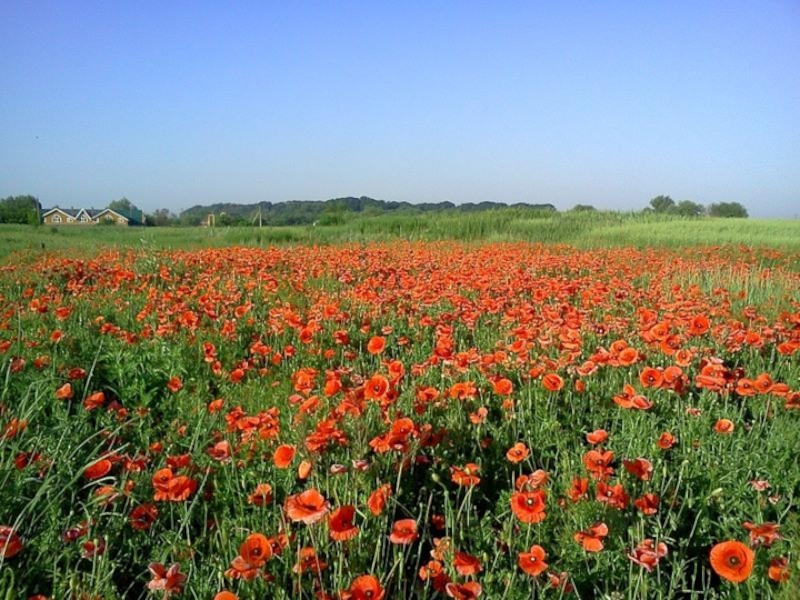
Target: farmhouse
[[91, 216]]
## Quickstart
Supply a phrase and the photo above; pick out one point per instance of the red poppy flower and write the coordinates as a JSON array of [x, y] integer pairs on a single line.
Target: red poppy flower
[[377, 499], [307, 507], [10, 542], [532, 562], [262, 496], [778, 570], [639, 467], [364, 587], [732, 560], [98, 469], [167, 580], [517, 453], [284, 455], [466, 564], [529, 507], [143, 516], [597, 436], [175, 384], [468, 476], [340, 523], [255, 550], [648, 554], [592, 539], [463, 591], [404, 532], [552, 382], [376, 345]]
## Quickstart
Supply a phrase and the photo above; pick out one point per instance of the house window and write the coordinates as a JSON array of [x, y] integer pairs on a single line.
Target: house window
[[70, 220], [55, 219], [84, 218], [109, 218]]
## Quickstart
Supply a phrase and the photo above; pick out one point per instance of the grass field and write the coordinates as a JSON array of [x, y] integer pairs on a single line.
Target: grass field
[[582, 230], [582, 406]]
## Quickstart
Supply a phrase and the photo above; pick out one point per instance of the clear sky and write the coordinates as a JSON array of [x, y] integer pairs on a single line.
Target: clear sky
[[173, 104]]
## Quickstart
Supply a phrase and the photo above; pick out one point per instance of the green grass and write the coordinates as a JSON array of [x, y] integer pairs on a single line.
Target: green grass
[[581, 230]]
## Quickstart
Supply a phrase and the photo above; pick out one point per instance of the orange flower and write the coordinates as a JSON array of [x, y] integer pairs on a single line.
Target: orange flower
[[468, 476], [598, 436], [304, 470], [98, 469], [466, 564], [308, 507], [552, 382], [529, 507], [340, 523], [308, 561], [648, 554], [94, 401], [377, 499], [168, 580], [142, 517], [10, 542], [175, 384], [502, 386], [599, 463], [376, 345], [364, 587], [765, 534], [639, 467], [666, 440], [647, 504], [64, 392], [226, 595], [171, 487], [284, 455], [463, 591], [517, 453], [532, 562], [255, 550], [578, 489], [262, 496], [778, 570], [592, 539], [376, 388], [404, 532], [650, 377], [732, 560], [724, 426]]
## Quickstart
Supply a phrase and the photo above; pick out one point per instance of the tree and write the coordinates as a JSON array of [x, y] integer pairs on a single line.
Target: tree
[[161, 218], [687, 208], [728, 210], [662, 204], [20, 209], [583, 208], [123, 204]]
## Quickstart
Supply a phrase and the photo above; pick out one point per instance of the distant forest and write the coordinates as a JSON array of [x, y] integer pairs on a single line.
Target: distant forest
[[27, 209], [329, 212]]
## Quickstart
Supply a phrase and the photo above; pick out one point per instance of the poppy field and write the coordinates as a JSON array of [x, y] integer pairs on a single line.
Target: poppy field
[[401, 420]]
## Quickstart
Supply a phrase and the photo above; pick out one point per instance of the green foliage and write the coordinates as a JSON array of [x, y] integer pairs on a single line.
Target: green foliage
[[727, 210], [687, 208], [662, 204], [162, 217], [22, 210], [123, 205], [583, 208], [297, 212]]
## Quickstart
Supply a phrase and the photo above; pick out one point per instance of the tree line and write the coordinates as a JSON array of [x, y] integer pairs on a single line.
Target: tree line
[[27, 210]]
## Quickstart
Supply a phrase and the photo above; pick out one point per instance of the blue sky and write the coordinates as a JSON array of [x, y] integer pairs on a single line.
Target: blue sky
[[173, 104]]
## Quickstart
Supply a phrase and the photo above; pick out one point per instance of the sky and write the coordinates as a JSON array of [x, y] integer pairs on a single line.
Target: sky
[[175, 104]]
